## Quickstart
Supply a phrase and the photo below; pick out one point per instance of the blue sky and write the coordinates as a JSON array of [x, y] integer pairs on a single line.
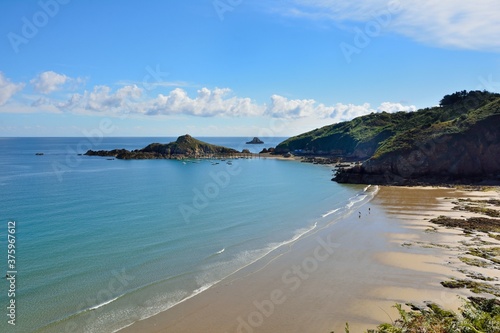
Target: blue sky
[[234, 67]]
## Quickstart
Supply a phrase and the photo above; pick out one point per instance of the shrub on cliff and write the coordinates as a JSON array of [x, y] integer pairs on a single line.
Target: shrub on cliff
[[477, 316]]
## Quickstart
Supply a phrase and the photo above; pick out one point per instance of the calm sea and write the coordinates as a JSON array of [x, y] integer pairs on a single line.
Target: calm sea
[[102, 242]]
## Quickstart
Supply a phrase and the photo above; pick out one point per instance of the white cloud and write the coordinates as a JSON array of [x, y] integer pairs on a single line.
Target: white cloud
[[395, 107], [447, 23], [282, 107], [71, 103], [343, 112], [102, 99], [40, 102], [217, 102], [207, 103], [8, 89], [48, 82]]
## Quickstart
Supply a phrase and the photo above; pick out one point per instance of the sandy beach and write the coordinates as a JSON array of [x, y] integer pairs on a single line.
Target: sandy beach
[[352, 271]]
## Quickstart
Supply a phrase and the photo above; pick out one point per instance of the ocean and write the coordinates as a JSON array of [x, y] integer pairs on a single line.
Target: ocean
[[101, 243]]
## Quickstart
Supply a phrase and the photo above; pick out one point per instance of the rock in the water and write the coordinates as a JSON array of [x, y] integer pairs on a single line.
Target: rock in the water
[[255, 141]]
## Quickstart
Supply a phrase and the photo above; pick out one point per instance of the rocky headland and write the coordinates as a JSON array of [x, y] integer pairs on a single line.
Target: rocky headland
[[184, 147], [457, 142]]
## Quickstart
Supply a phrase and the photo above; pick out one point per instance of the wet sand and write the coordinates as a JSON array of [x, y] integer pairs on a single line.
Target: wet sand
[[352, 271]]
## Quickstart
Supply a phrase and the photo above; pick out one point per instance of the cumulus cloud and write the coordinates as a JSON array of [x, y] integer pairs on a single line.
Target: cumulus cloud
[[217, 102], [207, 103], [343, 112], [48, 82], [282, 107], [396, 107], [8, 88], [73, 102], [103, 99], [447, 23]]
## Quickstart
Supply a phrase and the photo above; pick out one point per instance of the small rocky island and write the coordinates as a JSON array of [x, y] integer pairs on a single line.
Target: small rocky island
[[255, 141], [184, 147]]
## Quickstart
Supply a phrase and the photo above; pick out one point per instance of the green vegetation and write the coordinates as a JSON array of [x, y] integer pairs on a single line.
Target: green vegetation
[[486, 253], [381, 133], [474, 262], [477, 206], [497, 237], [478, 315], [479, 210], [482, 224], [493, 202], [474, 286], [476, 275]]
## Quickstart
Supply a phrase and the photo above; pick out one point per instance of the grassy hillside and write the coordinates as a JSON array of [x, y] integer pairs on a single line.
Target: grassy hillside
[[380, 133]]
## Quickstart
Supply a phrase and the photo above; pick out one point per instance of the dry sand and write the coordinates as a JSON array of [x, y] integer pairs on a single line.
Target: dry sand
[[352, 271]]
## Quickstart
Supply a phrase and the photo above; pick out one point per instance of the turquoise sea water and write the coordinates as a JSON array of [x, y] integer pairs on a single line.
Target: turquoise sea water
[[101, 243]]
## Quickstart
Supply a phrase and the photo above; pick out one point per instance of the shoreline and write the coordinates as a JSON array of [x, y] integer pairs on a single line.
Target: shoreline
[[340, 273]]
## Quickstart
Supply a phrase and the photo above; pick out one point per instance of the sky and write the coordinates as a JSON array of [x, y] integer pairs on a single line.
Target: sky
[[234, 67]]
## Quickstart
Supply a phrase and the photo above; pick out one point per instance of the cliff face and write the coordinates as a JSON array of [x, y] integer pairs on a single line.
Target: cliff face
[[472, 156], [184, 147]]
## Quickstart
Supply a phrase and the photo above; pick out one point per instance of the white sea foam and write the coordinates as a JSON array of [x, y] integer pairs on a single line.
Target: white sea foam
[[102, 304], [214, 273], [330, 212], [355, 200]]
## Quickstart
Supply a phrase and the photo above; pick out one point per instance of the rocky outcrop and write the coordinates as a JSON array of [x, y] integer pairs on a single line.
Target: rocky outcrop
[[184, 147], [255, 141]]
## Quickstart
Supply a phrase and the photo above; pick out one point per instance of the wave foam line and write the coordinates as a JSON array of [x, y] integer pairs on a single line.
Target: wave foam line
[[354, 200], [77, 313], [330, 212], [102, 304], [265, 251]]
